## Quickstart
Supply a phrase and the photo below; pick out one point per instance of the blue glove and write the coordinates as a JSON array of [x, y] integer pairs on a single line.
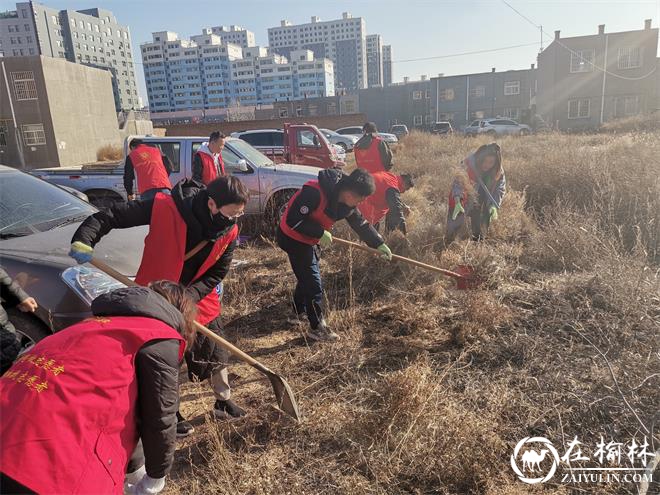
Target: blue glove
[[82, 253]]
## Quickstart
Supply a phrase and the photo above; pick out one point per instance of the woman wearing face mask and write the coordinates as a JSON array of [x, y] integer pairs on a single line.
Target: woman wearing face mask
[[191, 240], [309, 216], [478, 193]]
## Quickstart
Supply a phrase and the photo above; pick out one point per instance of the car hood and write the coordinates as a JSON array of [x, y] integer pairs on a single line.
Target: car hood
[[303, 171], [121, 249]]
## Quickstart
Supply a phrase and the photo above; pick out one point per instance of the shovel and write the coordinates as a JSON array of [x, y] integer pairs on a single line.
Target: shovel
[[464, 278], [283, 393]]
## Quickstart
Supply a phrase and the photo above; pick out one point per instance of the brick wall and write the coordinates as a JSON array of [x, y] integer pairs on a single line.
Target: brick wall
[[326, 121]]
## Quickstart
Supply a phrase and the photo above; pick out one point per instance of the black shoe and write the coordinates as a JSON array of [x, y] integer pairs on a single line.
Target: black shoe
[[227, 409], [183, 427]]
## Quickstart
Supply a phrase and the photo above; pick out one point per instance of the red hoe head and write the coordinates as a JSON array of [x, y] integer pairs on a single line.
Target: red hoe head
[[467, 280]]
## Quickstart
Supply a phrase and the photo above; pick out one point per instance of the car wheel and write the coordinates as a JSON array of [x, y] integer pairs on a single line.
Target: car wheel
[[343, 146], [492, 133], [275, 209], [29, 327], [523, 132], [104, 200]]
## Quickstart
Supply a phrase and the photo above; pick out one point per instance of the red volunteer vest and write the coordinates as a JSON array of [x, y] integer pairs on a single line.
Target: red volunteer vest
[[470, 165], [164, 250], [68, 406], [375, 207], [318, 215], [209, 170], [149, 169], [369, 159]]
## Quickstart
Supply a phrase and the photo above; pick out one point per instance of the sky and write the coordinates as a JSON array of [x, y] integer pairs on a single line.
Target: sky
[[416, 29]]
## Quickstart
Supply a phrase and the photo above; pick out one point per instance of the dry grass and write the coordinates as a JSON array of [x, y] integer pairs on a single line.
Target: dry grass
[[109, 153], [430, 388]]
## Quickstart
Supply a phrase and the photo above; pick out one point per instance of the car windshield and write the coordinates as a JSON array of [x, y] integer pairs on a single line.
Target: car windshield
[[398, 127], [329, 133], [251, 154], [29, 205]]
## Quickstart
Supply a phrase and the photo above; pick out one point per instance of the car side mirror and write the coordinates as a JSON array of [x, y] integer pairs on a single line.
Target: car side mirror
[[242, 165]]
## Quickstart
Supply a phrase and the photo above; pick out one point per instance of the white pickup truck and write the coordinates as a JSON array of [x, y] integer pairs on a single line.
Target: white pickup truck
[[271, 185]]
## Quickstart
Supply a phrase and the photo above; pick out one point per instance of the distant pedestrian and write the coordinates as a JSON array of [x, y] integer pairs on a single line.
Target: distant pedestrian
[[151, 167], [371, 152], [478, 193], [208, 164]]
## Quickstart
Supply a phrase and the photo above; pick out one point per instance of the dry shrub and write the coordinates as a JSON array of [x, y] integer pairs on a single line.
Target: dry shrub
[[109, 153], [637, 124]]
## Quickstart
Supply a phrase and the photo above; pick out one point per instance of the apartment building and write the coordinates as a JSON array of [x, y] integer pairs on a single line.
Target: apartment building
[[233, 34], [387, 65], [374, 60], [204, 73], [90, 37], [584, 81], [341, 40]]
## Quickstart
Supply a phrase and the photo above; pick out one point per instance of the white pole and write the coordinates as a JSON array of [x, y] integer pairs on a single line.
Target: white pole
[[467, 100], [602, 95]]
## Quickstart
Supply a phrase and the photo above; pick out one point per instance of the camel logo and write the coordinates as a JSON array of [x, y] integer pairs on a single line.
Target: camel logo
[[532, 460]]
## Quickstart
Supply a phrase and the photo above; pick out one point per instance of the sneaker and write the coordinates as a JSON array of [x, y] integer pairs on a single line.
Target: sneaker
[[227, 409], [183, 427], [322, 332]]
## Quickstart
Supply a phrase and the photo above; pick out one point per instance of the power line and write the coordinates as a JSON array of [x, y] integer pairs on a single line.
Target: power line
[[463, 53], [590, 62]]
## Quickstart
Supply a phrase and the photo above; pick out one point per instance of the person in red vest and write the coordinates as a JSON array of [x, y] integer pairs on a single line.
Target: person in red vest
[[306, 223], [191, 240], [386, 201], [152, 168], [97, 400], [371, 152], [207, 162], [477, 192]]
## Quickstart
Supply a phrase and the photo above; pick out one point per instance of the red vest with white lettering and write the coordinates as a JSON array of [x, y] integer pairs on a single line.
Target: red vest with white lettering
[[68, 406], [370, 159], [209, 168], [149, 169], [318, 215], [375, 207], [165, 249]]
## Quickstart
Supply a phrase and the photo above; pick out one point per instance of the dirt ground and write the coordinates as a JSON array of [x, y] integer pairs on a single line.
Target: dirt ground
[[430, 388]]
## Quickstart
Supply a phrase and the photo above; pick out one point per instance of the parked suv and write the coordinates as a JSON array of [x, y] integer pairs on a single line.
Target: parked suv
[[399, 130], [497, 126], [442, 128], [344, 142]]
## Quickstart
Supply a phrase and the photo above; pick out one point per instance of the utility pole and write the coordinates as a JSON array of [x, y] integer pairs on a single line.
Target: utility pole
[[541, 31]]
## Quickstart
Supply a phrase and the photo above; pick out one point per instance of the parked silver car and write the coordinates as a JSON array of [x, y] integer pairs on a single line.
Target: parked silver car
[[345, 142], [497, 127]]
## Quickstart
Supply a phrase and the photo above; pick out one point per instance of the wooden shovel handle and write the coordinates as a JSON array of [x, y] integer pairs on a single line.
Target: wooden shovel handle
[[419, 264], [200, 328]]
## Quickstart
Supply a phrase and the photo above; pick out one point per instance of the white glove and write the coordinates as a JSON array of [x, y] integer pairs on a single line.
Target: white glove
[[133, 479], [149, 485]]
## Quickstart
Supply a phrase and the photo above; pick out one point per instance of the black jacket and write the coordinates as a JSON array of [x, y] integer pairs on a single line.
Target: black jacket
[[385, 152], [129, 172], [12, 295], [157, 372], [191, 201], [298, 215]]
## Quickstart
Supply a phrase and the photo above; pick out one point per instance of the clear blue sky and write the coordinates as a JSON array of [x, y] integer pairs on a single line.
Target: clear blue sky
[[414, 28]]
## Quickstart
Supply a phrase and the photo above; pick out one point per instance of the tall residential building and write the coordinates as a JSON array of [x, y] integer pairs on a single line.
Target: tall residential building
[[233, 34], [374, 60], [89, 37], [584, 81], [342, 40], [204, 73], [387, 65]]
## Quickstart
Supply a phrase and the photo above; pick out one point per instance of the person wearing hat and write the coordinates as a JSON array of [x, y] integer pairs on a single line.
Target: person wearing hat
[[191, 240], [476, 193]]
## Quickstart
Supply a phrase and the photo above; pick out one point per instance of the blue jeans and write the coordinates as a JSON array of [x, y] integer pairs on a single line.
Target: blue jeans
[[304, 259], [150, 193]]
